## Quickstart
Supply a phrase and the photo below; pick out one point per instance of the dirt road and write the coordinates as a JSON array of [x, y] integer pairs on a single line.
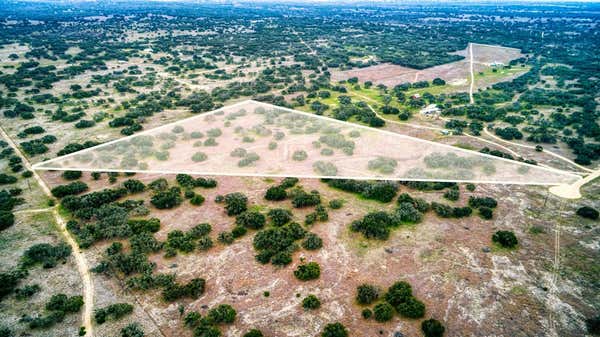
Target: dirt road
[[82, 265]]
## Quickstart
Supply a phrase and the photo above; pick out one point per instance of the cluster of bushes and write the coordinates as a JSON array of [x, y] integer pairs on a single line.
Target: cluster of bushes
[[32, 130], [383, 165], [6, 179], [325, 168], [508, 133], [398, 298], [320, 214], [308, 271], [279, 216], [58, 307], [383, 191], [76, 187], [193, 289], [111, 222], [74, 147], [248, 159], [8, 200], [301, 198], [279, 192], [187, 181], [37, 146], [446, 211], [27, 291], [378, 224], [92, 200], [276, 244], [208, 326], [452, 194], [485, 205], [45, 254], [168, 198], [186, 242], [134, 186], [114, 312], [235, 203], [428, 185]]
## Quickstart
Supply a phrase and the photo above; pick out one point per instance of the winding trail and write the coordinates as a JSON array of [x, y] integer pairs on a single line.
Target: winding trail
[[82, 265]]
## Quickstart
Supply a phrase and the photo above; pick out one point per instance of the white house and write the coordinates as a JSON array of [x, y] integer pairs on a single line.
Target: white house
[[430, 110]]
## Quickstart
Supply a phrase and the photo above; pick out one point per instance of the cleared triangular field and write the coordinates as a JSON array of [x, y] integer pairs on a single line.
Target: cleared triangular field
[[258, 139]]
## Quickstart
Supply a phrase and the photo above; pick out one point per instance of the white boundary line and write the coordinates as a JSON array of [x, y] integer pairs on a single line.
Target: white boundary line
[[303, 176], [46, 165]]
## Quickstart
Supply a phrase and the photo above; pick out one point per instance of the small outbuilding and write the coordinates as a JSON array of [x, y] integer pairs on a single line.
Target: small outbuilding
[[432, 110]]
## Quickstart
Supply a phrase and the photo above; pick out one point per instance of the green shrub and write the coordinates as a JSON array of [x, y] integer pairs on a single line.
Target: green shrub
[[46, 254], [199, 157], [224, 313], [225, 237], [134, 186], [71, 175], [132, 330], [235, 203], [302, 199], [61, 302], [239, 231], [476, 202], [197, 200], [251, 220], [167, 199], [452, 194], [366, 313], [75, 187], [432, 328], [383, 312], [399, 292], [334, 330], [275, 193], [254, 333], [311, 302], [312, 242], [366, 294], [114, 311], [279, 216], [486, 212], [336, 203], [27, 291], [411, 308], [308, 271], [205, 243], [375, 225], [7, 219], [193, 289], [506, 239], [299, 155], [588, 213]]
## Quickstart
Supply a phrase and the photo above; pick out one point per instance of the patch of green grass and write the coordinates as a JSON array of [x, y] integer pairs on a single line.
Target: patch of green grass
[[465, 146], [518, 290], [536, 230], [496, 248]]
